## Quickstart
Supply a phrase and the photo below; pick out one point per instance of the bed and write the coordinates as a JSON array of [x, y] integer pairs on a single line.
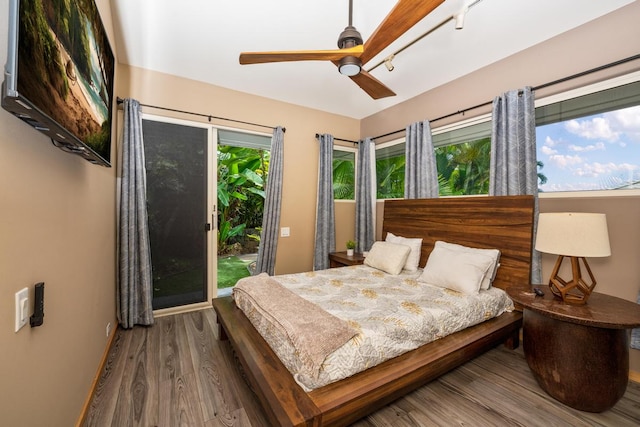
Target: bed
[[504, 223]]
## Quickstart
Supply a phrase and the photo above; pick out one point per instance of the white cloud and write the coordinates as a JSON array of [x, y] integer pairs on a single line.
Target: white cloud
[[626, 121], [547, 151], [596, 128], [550, 142], [593, 147], [602, 169], [563, 161]]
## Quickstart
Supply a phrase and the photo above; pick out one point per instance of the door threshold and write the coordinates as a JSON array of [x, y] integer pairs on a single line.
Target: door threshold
[[181, 309]]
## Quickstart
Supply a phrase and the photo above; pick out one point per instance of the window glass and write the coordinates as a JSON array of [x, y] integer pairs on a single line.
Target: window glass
[[462, 157], [390, 171], [591, 142], [344, 167]]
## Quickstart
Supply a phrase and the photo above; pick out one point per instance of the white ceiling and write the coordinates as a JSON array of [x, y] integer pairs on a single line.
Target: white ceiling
[[201, 40]]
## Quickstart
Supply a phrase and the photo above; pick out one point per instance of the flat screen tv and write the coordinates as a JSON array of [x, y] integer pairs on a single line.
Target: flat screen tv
[[59, 74]]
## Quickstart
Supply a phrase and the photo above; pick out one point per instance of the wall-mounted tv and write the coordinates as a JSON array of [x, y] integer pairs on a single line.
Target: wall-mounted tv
[[59, 74]]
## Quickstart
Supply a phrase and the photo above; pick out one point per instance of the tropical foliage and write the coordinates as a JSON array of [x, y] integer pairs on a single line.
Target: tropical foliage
[[241, 179], [343, 179], [463, 168]]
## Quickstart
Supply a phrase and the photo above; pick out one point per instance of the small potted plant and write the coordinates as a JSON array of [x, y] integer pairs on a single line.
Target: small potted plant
[[351, 245]]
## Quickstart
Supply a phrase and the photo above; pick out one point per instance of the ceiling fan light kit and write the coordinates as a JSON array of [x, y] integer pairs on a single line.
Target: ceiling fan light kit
[[352, 53], [349, 66]]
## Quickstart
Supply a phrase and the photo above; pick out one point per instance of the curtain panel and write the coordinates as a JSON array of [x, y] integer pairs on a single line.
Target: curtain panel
[[134, 293], [366, 196], [421, 172], [514, 167], [325, 216], [266, 262]]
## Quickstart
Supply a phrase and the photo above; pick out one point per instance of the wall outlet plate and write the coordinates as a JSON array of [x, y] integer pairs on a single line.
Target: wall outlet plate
[[22, 308]]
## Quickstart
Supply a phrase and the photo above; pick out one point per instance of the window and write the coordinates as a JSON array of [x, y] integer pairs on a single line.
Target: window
[[462, 158], [344, 173], [390, 170], [590, 142], [587, 139]]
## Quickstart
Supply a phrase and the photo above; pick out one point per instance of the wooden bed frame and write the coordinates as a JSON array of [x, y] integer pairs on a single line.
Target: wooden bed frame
[[504, 222]]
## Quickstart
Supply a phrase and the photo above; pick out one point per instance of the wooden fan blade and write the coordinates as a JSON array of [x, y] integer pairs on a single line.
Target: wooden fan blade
[[374, 87], [299, 55], [404, 15]]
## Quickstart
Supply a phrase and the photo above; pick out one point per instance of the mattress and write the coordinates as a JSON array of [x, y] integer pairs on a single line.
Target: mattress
[[393, 314]]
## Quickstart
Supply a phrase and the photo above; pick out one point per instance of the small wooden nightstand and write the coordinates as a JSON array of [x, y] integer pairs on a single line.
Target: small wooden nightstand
[[341, 259], [579, 354]]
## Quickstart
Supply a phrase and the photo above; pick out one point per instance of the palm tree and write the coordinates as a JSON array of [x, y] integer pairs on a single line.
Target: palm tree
[[465, 167]]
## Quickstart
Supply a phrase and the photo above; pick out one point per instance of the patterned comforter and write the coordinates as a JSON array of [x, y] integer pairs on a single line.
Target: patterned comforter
[[392, 314]]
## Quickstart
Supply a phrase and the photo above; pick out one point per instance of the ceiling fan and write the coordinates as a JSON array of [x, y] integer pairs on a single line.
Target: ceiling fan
[[352, 53]]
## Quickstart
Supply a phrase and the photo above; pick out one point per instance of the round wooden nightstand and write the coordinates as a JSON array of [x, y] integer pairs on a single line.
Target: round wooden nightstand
[[579, 354]]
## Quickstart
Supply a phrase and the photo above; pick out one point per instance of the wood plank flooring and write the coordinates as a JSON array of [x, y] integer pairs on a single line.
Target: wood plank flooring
[[176, 373]]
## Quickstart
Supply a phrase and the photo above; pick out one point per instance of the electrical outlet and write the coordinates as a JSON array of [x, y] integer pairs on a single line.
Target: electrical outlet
[[108, 329]]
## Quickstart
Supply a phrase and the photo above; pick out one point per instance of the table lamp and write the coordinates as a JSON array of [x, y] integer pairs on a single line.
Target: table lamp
[[576, 236]]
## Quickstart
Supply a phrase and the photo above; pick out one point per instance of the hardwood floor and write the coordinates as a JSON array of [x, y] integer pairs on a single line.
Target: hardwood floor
[[176, 373]]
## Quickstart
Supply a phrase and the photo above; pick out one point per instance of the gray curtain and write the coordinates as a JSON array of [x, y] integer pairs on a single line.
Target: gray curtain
[[366, 196], [514, 167], [325, 216], [266, 262], [134, 291], [420, 171]]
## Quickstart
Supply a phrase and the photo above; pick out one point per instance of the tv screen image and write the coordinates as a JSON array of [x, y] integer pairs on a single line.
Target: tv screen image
[[59, 74]]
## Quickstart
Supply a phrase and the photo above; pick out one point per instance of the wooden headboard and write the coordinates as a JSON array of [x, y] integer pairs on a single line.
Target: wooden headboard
[[502, 222]]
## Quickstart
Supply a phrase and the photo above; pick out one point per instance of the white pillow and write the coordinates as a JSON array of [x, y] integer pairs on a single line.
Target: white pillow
[[493, 253], [416, 248], [460, 271], [388, 257]]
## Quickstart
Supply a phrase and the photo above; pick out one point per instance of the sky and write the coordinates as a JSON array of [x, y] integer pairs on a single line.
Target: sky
[[591, 153]]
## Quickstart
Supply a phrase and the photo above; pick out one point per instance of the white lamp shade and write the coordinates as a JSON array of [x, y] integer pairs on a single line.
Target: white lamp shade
[[573, 234]]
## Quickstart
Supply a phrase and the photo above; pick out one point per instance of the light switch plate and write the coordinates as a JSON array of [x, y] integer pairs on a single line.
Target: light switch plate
[[22, 308], [285, 232]]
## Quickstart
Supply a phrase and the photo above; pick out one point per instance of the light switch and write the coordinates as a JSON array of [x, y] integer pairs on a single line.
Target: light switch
[[22, 308], [285, 232]]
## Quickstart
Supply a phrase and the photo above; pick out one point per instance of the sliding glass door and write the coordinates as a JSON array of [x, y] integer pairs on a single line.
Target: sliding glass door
[[181, 205]]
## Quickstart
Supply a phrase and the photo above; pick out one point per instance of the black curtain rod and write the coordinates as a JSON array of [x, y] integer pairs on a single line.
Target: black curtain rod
[[208, 116], [339, 139], [542, 86]]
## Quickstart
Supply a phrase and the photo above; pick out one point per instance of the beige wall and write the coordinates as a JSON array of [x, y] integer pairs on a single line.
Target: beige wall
[[345, 223], [57, 225], [608, 39]]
